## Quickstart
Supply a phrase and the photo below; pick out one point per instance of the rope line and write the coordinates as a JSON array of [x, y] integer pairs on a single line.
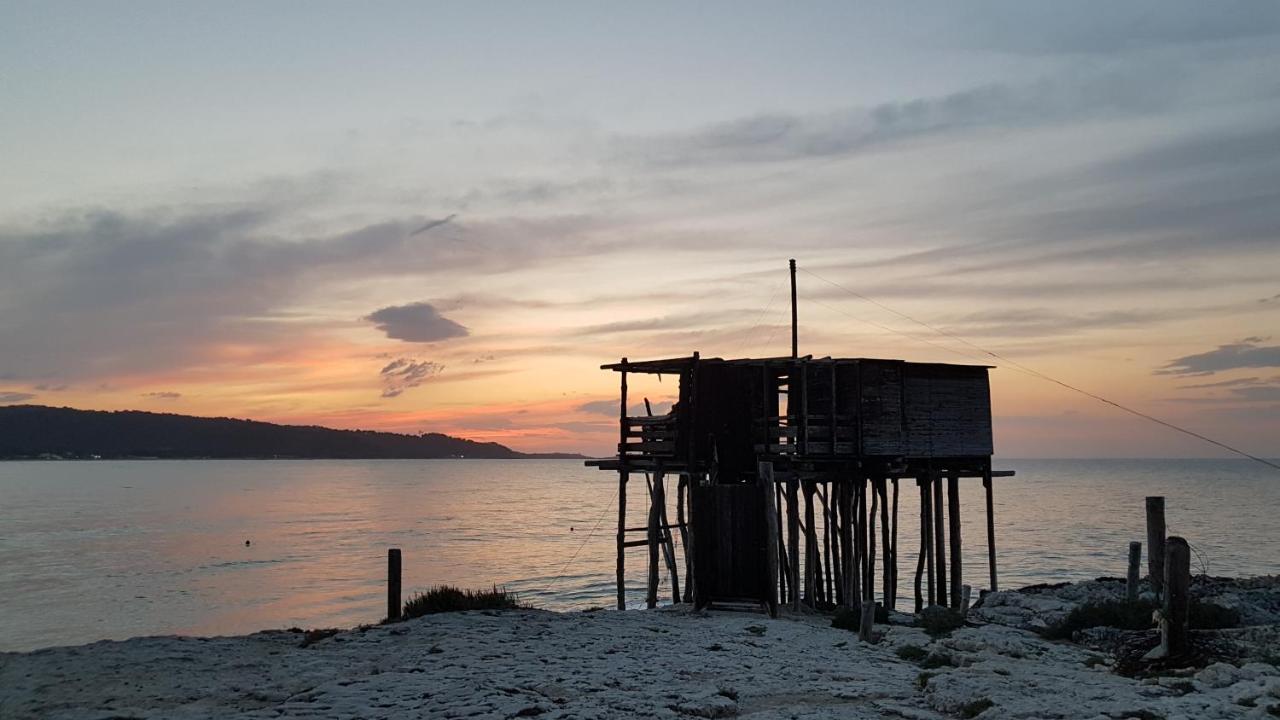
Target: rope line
[[586, 540], [1043, 376]]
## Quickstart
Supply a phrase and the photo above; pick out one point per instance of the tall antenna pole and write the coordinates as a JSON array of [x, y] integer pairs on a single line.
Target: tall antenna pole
[[795, 327]]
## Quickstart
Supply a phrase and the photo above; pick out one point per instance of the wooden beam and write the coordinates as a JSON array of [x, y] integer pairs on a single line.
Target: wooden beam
[[1155, 544], [810, 547], [926, 534], [887, 584], [893, 597], [655, 517], [623, 476], [793, 540], [682, 489], [850, 555]]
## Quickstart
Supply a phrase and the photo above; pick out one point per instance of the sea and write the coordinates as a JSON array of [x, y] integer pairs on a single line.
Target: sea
[[93, 550]]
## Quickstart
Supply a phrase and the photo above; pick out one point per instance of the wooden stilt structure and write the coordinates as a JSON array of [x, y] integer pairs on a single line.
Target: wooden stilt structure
[[939, 539], [953, 518]]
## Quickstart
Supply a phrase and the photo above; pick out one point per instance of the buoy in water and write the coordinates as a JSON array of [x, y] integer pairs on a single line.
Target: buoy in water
[[246, 543]]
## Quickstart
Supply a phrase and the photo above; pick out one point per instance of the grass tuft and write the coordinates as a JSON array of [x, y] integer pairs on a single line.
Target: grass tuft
[[975, 708], [1138, 616], [446, 598]]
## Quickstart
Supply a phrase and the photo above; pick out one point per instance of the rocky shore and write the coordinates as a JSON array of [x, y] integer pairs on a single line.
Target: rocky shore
[[671, 662]]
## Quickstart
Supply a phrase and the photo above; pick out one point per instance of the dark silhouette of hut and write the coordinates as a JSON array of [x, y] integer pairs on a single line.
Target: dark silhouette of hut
[[785, 463]]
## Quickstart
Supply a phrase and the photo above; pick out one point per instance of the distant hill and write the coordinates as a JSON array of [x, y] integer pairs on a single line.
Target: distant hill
[[34, 431]]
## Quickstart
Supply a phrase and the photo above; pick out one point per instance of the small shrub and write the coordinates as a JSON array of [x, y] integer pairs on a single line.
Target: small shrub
[[975, 708], [923, 679], [937, 620], [937, 660], [446, 598], [911, 653]]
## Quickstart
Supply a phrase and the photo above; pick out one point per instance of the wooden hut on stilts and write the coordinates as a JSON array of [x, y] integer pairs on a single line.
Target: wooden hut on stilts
[[789, 476]]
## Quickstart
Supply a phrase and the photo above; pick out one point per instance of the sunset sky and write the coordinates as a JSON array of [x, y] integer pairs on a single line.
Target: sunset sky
[[445, 217]]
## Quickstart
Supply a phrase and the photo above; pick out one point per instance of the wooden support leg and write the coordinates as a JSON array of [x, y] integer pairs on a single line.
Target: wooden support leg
[[869, 592], [939, 540], [810, 547], [651, 597], [926, 527], [991, 529], [784, 572], [1177, 597], [764, 479], [837, 549], [793, 540], [828, 591], [886, 584], [893, 589], [850, 556], [682, 489], [623, 475], [668, 543], [1135, 568], [953, 520]]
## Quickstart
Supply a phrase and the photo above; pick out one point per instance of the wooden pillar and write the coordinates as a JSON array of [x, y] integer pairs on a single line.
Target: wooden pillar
[[837, 551], [682, 489], [393, 584], [893, 590], [1135, 568], [939, 539], [623, 477], [926, 534], [784, 570], [1177, 597], [828, 587], [1155, 544], [668, 543], [867, 620], [991, 527], [869, 592], [793, 539], [850, 556], [810, 548], [886, 586], [655, 516], [764, 480], [953, 520]]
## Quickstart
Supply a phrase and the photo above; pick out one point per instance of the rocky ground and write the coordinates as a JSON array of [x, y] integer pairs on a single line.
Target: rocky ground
[[665, 663]]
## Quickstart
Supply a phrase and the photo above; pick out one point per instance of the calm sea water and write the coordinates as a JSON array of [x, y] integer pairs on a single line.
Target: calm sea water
[[94, 550]]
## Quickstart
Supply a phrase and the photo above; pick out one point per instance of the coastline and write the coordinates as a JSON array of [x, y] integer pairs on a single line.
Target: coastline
[[670, 662]]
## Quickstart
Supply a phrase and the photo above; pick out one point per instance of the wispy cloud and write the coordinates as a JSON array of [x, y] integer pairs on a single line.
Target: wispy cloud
[[10, 397], [1247, 353], [406, 373]]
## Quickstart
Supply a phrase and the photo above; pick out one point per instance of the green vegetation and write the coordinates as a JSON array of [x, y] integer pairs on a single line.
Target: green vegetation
[[938, 621], [975, 708], [447, 598], [911, 653]]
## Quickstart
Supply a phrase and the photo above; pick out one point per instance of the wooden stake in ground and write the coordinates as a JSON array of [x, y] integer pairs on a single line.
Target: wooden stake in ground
[[1174, 632], [682, 488], [867, 620], [1135, 567], [953, 520], [940, 539], [393, 584], [655, 518], [850, 556], [1155, 544], [793, 539], [991, 527]]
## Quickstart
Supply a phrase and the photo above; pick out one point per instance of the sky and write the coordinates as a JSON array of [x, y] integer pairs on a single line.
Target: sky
[[446, 216]]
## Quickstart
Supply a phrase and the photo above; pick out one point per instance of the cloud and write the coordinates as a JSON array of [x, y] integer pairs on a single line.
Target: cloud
[[1272, 299], [162, 395], [1226, 383], [1244, 354], [405, 373], [8, 397], [415, 322], [775, 137], [433, 224]]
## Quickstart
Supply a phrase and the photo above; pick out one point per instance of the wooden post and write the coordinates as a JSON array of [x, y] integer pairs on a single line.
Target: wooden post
[[764, 480], [784, 572], [1177, 598], [939, 539], [828, 593], [893, 590], [886, 587], [393, 584], [1155, 544], [926, 533], [837, 552], [953, 518], [867, 620], [793, 539], [682, 487], [655, 517], [991, 527], [965, 593], [623, 476], [795, 323], [850, 556], [668, 543], [810, 548], [869, 592], [1135, 566]]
